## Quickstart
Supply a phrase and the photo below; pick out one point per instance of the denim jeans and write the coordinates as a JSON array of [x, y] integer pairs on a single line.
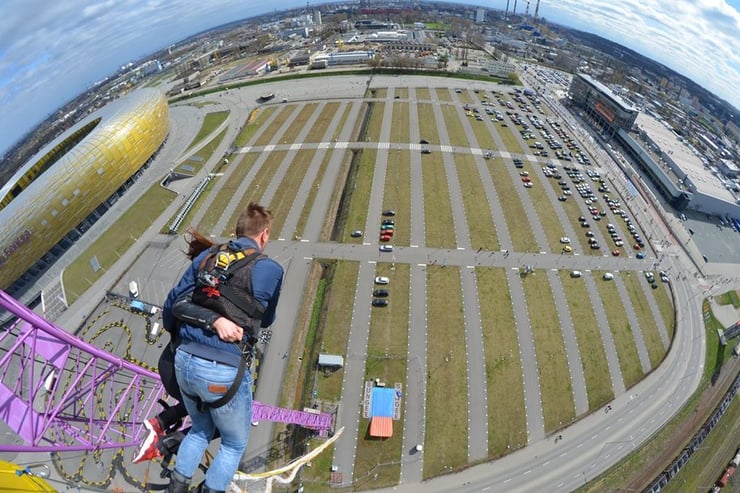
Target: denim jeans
[[195, 375]]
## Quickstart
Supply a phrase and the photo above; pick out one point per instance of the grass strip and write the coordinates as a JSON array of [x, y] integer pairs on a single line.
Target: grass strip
[[520, 229], [397, 194], [298, 123], [79, 276], [455, 130], [211, 121], [507, 424], [556, 389], [378, 461], [590, 346], [271, 134], [217, 206], [427, 123], [286, 192], [648, 324], [255, 191], [400, 125], [438, 223], [312, 194], [446, 437], [376, 123], [624, 341], [254, 120], [477, 209], [664, 301], [321, 124]]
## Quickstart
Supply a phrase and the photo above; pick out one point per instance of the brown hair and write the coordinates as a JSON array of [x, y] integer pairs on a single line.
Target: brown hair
[[196, 243], [253, 220]]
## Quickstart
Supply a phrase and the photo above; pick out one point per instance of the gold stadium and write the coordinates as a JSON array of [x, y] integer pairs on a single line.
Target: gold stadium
[[55, 192]]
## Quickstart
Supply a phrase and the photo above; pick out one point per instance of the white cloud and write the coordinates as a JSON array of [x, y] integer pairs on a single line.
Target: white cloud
[[696, 39]]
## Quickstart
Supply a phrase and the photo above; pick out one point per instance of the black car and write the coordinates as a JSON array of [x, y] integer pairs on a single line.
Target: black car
[[389, 222], [379, 302], [380, 293], [389, 213]]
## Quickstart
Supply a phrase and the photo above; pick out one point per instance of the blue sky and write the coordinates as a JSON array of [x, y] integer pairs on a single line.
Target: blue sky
[[50, 51]]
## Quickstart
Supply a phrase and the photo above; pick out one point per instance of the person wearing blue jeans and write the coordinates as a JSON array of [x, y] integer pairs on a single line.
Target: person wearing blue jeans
[[208, 360], [199, 377]]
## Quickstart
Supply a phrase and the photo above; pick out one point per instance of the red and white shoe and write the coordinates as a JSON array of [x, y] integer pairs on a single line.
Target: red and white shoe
[[148, 449]]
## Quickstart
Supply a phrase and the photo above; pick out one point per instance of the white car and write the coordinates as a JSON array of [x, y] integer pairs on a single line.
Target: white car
[[386, 248], [565, 240], [382, 280], [608, 276]]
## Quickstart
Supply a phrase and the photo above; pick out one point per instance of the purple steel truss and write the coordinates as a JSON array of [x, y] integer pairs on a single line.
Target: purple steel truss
[[60, 393]]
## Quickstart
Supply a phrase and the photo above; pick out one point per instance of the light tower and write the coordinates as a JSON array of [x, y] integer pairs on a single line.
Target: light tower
[[537, 11]]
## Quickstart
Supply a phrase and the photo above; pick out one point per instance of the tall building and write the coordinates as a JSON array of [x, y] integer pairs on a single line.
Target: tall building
[[480, 15], [50, 200]]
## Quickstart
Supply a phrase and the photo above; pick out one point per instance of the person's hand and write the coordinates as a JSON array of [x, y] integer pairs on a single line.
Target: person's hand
[[227, 330]]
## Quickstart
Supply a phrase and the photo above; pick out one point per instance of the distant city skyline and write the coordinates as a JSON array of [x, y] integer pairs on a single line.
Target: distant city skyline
[[50, 52]]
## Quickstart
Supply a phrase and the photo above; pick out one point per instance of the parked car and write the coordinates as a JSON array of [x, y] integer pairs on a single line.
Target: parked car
[[379, 302], [385, 238], [356, 233], [565, 240], [380, 293], [608, 276], [389, 212], [382, 280], [576, 273], [386, 248]]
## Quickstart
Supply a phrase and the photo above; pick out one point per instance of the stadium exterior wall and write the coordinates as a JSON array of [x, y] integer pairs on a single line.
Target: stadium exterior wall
[[89, 163]]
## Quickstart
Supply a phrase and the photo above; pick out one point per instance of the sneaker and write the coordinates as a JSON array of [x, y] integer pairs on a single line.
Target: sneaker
[[149, 449]]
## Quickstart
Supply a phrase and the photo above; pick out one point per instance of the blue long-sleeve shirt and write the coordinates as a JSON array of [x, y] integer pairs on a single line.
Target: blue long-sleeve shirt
[[267, 277]]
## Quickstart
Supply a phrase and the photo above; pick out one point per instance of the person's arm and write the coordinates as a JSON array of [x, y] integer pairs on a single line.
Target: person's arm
[[267, 279], [198, 316], [186, 284]]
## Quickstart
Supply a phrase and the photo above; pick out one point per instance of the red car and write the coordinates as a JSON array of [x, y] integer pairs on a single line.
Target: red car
[[616, 253], [385, 238]]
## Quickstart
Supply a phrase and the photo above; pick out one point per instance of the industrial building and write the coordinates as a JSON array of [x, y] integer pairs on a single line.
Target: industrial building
[[65, 187], [674, 169], [332, 59]]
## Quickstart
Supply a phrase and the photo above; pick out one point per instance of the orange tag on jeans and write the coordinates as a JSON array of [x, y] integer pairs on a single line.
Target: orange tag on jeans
[[217, 388]]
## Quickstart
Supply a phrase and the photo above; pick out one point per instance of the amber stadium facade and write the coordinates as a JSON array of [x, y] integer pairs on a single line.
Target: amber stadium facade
[[55, 196]]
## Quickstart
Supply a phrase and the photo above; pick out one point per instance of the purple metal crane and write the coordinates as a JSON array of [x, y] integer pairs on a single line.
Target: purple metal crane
[[60, 393]]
